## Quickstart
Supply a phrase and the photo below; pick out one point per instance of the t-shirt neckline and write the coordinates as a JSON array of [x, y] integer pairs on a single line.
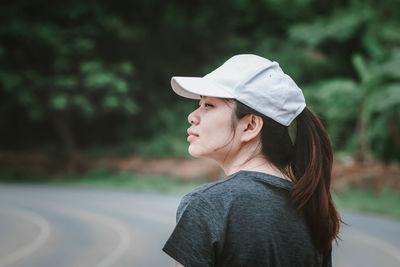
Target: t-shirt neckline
[[266, 177]]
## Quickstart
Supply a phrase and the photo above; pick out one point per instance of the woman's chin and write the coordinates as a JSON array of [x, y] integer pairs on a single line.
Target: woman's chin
[[194, 152]]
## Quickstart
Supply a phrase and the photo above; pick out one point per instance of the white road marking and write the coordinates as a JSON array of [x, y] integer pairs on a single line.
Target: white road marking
[[123, 234], [117, 227], [37, 243], [123, 245]]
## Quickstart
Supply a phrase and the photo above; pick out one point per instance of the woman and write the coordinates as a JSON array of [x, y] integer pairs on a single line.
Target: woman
[[274, 208]]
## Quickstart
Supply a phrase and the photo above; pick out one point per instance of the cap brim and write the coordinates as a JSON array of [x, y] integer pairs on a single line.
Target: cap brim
[[194, 87]]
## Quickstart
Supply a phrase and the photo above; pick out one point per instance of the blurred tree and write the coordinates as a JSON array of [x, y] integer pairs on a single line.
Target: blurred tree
[[362, 106], [73, 63], [55, 62]]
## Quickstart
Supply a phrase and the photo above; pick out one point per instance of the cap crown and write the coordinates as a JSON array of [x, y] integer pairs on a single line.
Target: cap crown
[[262, 85], [253, 80]]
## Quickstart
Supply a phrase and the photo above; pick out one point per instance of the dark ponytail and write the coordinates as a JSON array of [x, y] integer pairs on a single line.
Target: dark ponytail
[[312, 167], [308, 162]]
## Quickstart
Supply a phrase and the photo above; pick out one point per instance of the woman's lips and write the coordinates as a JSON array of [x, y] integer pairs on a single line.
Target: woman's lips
[[190, 138], [192, 135]]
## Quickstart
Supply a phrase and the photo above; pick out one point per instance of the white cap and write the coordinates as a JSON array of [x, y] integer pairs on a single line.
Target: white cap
[[253, 80]]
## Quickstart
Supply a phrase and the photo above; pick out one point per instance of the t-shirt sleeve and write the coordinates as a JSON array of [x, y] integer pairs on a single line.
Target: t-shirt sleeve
[[195, 237]]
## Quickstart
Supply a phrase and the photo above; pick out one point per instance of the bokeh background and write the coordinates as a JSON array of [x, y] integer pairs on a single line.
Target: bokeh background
[[85, 87]]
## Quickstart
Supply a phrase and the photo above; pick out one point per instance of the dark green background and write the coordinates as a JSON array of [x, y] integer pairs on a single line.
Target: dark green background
[[90, 77]]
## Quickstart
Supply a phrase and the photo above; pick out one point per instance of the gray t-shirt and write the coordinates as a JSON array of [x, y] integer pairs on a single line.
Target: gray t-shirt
[[242, 220]]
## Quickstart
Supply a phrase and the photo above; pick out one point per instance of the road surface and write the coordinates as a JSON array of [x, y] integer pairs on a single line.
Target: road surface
[[49, 226]]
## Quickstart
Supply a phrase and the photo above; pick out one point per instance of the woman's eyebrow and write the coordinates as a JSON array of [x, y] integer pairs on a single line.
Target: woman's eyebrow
[[207, 98], [203, 98]]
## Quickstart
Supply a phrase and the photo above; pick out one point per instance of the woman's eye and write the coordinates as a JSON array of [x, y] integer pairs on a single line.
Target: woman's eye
[[206, 105]]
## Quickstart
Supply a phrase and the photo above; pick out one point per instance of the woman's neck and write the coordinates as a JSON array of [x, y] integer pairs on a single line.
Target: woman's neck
[[255, 163]]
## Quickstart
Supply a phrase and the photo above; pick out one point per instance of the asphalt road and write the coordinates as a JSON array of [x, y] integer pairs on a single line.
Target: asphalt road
[[51, 226]]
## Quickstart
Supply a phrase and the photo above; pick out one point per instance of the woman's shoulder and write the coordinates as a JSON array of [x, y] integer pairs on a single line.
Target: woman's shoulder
[[214, 187], [242, 181], [210, 190], [243, 184], [237, 190], [201, 198]]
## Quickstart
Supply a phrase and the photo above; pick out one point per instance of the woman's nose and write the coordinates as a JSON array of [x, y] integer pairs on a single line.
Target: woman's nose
[[193, 118]]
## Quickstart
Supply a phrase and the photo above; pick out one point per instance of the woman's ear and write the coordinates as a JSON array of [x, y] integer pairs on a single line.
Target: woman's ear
[[251, 126]]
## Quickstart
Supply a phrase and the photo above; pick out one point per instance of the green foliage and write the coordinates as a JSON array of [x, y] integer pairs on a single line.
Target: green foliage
[[169, 137], [108, 65], [69, 72], [103, 178], [366, 200], [341, 26], [335, 100], [368, 94]]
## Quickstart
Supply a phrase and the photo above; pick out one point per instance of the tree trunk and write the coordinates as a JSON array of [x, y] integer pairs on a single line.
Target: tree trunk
[[62, 126], [394, 131], [363, 154]]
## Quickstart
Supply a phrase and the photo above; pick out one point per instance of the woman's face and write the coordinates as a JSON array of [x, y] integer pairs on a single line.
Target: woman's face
[[211, 134]]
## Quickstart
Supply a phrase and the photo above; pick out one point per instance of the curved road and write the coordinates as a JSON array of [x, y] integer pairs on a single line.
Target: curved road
[[67, 226]]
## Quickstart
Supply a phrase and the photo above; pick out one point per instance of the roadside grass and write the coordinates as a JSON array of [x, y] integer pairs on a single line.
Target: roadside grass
[[102, 178], [386, 202]]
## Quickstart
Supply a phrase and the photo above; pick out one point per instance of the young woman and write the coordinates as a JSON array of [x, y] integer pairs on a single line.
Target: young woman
[[274, 208]]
